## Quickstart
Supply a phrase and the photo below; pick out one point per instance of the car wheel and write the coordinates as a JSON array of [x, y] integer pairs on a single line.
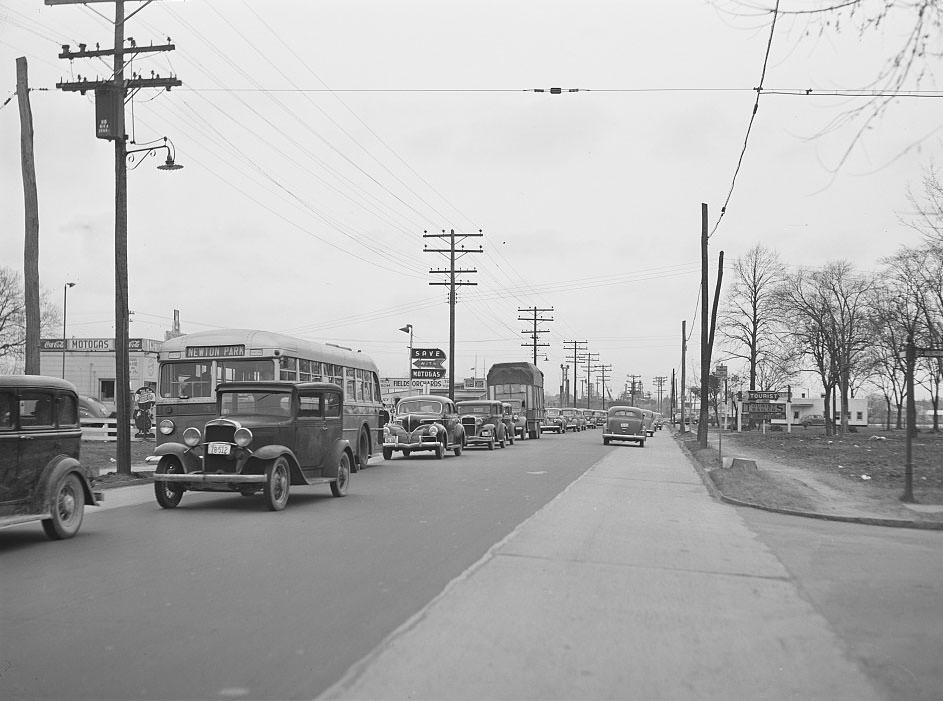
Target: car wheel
[[168, 494], [439, 451], [491, 444], [605, 441], [387, 453], [277, 480], [511, 437], [405, 452], [363, 452], [458, 449], [340, 485], [67, 508], [641, 444]]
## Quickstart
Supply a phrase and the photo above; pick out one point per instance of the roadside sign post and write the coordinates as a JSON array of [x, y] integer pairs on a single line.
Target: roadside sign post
[[911, 353]]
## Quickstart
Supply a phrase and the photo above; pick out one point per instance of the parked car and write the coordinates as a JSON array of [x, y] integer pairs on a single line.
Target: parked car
[[812, 420], [554, 421], [91, 408], [588, 417], [483, 423], [266, 438], [659, 421], [41, 478], [425, 422], [625, 423], [575, 420]]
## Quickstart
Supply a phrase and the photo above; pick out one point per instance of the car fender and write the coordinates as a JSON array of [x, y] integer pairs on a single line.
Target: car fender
[[59, 466], [340, 447], [188, 458], [256, 463]]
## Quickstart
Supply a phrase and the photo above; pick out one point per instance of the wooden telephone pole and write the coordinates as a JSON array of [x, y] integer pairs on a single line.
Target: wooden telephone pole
[[454, 254], [110, 97], [534, 319], [31, 211]]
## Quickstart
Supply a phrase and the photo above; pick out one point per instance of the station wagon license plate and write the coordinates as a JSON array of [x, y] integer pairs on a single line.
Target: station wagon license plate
[[219, 448]]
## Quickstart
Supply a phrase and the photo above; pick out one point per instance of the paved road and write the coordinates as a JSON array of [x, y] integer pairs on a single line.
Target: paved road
[[221, 598]]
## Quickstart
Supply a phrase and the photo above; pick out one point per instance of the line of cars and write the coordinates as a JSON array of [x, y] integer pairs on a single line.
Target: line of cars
[[563, 419], [631, 424]]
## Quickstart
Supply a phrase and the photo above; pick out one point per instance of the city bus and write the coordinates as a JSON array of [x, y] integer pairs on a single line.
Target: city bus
[[190, 367], [522, 386]]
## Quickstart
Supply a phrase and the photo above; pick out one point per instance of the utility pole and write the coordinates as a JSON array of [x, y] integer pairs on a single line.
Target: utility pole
[[110, 98], [534, 319], [604, 370], [577, 346], [31, 212], [590, 359], [684, 351], [454, 254], [632, 379], [660, 386], [707, 329], [564, 385]]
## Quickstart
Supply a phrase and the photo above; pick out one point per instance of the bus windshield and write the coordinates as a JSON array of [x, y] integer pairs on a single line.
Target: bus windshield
[[194, 379]]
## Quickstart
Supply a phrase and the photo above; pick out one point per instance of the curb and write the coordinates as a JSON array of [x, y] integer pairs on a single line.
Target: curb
[[715, 492]]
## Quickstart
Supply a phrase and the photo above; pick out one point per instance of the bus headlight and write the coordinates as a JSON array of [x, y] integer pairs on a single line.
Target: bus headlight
[[166, 427], [242, 437], [191, 437]]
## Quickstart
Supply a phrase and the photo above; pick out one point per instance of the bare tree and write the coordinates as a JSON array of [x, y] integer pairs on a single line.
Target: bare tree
[[748, 323], [13, 315], [832, 318], [910, 28]]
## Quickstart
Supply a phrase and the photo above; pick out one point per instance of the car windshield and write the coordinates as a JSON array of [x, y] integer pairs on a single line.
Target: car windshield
[[553, 412], [255, 403], [419, 406], [480, 409], [569, 412], [625, 413]]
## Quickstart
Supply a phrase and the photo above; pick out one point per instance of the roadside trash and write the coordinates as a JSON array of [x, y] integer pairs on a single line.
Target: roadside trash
[[877, 438], [840, 467], [865, 477]]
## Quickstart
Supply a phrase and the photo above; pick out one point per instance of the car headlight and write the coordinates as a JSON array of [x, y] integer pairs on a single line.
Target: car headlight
[[166, 427], [242, 437], [191, 436]]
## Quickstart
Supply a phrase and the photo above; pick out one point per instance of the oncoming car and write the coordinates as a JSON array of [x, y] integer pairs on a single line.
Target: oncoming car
[[267, 437], [483, 423], [41, 478], [625, 423], [424, 423], [554, 421], [575, 420]]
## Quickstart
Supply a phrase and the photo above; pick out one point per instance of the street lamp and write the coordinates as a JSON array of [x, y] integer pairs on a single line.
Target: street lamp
[[152, 150], [65, 297], [409, 329]]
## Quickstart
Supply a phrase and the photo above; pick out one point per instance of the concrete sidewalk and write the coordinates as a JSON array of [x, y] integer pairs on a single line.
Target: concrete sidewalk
[[632, 583]]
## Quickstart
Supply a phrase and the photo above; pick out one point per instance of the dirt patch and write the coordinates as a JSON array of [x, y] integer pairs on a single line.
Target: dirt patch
[[870, 462], [101, 458]]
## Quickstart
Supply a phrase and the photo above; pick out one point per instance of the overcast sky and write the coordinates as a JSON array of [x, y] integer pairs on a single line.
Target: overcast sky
[[320, 139]]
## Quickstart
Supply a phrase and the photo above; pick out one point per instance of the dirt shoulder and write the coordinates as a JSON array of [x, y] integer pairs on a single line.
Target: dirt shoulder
[[101, 458], [856, 476]]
